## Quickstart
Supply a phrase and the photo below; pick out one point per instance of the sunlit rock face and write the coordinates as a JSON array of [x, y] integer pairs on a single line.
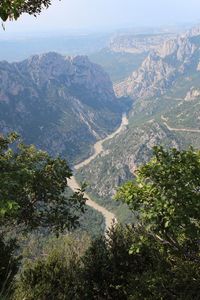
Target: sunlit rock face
[[163, 66]]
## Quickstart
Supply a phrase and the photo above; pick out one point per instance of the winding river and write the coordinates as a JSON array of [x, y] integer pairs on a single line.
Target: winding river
[[98, 149]]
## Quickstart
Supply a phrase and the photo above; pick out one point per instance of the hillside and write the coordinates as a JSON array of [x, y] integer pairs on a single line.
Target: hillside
[[165, 111], [118, 65], [61, 104], [162, 67]]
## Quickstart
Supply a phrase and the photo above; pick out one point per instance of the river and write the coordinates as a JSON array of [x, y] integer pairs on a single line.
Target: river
[[110, 218]]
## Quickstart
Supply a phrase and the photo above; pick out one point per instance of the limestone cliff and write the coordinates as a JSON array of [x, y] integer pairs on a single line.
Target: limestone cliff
[[62, 104], [163, 66]]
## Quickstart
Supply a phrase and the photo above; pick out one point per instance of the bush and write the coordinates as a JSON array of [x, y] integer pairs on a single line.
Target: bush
[[55, 275]]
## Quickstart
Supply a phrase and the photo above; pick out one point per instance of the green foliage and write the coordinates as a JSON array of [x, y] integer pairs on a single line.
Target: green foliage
[[72, 268], [112, 271], [105, 268], [12, 9], [108, 266], [32, 186], [9, 264], [91, 222], [56, 275], [167, 199]]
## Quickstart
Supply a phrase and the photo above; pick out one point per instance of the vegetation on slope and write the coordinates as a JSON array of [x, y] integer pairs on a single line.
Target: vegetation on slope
[[148, 120], [32, 188], [157, 257], [118, 65]]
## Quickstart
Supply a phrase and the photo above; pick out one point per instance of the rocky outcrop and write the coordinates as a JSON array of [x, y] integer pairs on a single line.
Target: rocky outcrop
[[61, 104], [193, 94], [163, 66], [137, 43], [153, 77]]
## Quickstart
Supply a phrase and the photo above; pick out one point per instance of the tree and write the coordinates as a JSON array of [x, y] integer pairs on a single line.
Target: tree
[[166, 197], [79, 269], [105, 269], [111, 272], [156, 258], [33, 188], [55, 275], [12, 9]]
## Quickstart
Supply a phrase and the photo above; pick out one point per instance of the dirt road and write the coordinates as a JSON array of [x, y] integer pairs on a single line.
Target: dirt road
[[179, 129]]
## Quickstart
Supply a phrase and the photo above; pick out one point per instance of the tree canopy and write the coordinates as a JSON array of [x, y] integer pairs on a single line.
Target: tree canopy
[[166, 197], [33, 188], [12, 9], [157, 257]]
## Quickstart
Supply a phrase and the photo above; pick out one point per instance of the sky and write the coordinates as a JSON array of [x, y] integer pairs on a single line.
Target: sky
[[107, 14]]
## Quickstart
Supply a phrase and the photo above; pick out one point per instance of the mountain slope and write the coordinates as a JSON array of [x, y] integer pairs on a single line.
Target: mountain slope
[[165, 111], [118, 64], [161, 68], [63, 105]]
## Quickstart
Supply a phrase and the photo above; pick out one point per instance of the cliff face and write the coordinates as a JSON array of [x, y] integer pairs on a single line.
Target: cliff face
[[163, 66], [137, 43], [60, 104]]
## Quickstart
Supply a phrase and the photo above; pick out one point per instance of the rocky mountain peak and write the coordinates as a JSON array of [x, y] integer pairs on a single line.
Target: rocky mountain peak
[[195, 31], [181, 48], [162, 66], [61, 104], [42, 69], [192, 94]]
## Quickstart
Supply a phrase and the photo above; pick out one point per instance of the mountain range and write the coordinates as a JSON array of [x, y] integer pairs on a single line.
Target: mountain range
[[61, 104], [65, 104], [165, 93]]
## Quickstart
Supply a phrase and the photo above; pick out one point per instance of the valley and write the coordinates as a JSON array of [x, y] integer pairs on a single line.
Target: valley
[[110, 218], [61, 104], [71, 107], [99, 150], [165, 112]]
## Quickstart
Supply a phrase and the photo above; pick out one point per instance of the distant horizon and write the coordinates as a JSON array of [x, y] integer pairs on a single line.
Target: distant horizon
[[136, 29], [106, 15]]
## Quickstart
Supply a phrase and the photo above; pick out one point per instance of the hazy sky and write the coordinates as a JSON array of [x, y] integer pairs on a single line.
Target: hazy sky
[[81, 14]]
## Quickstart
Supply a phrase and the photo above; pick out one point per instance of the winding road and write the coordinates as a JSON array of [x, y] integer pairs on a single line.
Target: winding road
[[110, 218], [179, 129]]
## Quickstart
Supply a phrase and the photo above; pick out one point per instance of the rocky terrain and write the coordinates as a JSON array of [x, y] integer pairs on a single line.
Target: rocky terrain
[[61, 104], [192, 94], [163, 66], [65, 104], [165, 111], [137, 43]]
